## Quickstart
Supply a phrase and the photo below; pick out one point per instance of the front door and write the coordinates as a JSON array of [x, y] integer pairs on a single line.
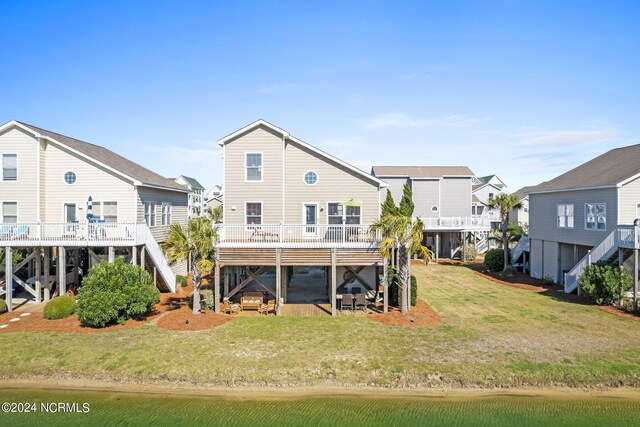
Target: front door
[[310, 219], [70, 212]]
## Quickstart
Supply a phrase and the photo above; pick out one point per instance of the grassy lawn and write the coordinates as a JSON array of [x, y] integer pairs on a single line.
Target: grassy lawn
[[491, 335]]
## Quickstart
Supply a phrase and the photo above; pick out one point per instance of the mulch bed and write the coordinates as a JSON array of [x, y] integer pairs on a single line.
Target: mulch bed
[[184, 320], [420, 315]]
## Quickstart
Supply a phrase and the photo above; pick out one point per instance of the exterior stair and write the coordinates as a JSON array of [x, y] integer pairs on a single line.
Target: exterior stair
[[519, 249], [157, 256]]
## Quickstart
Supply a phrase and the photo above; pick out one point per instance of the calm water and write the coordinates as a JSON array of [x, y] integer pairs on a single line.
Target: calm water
[[113, 409]]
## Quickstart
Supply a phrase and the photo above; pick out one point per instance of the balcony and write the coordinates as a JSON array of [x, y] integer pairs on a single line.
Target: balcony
[[71, 234], [480, 223], [296, 236]]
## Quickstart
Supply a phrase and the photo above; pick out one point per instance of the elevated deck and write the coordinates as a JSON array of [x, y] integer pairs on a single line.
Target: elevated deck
[[73, 234], [478, 223]]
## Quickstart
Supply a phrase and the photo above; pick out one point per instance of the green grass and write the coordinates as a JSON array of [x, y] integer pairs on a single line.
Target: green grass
[[491, 335]]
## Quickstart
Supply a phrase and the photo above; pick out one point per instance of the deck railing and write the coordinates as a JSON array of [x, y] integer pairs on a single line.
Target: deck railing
[[67, 233], [296, 235], [456, 222]]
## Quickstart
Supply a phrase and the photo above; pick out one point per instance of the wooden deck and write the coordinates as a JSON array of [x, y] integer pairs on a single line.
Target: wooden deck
[[310, 310]]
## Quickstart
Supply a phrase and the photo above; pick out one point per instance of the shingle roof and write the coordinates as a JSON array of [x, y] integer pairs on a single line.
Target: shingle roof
[[524, 191], [111, 159], [421, 171], [608, 169], [192, 182]]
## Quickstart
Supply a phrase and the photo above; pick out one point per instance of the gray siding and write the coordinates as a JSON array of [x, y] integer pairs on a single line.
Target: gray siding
[[426, 194], [536, 258], [629, 197], [550, 254], [455, 197], [179, 208], [396, 186]]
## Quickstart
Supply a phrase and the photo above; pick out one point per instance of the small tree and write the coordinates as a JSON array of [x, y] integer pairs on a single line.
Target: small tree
[[389, 207], [605, 283], [504, 203], [406, 207]]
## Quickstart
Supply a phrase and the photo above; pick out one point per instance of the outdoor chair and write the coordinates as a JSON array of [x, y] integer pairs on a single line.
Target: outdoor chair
[[361, 302], [346, 303], [231, 308], [269, 307]]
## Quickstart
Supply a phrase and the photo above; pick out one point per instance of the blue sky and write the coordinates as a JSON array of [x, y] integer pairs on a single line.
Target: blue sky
[[525, 90]]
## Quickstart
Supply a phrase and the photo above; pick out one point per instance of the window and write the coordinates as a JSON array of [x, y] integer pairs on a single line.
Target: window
[[565, 216], [352, 214], [337, 213], [70, 177], [334, 213], [310, 178], [110, 211], [254, 213], [595, 216], [9, 167], [490, 196], [9, 212], [166, 213], [150, 213], [254, 166]]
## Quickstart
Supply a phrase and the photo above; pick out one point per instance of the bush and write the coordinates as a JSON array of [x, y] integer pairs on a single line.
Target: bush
[[470, 253], [206, 299], [393, 288], [60, 307], [114, 292], [494, 260], [605, 283], [181, 280], [414, 291], [3, 306]]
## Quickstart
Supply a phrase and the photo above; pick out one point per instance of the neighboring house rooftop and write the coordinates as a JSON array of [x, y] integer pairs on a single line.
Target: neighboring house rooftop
[[486, 179], [193, 183], [474, 199], [421, 171], [611, 169], [524, 191], [476, 187], [106, 157]]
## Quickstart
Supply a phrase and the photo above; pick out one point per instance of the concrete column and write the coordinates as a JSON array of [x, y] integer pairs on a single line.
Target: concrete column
[[278, 281], [112, 254], [333, 282], [47, 277], [61, 270], [216, 288], [134, 255], [8, 269], [38, 275]]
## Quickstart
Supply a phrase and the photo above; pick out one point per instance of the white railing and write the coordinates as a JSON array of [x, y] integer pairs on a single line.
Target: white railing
[[72, 233], [623, 236], [156, 254], [456, 222], [482, 246], [520, 248], [288, 235]]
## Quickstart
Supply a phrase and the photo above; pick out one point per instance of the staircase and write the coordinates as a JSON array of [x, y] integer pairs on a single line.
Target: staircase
[[519, 249], [482, 246], [157, 256], [623, 236]]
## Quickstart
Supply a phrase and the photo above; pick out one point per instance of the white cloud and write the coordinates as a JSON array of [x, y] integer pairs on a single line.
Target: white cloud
[[406, 121], [276, 87], [569, 138]]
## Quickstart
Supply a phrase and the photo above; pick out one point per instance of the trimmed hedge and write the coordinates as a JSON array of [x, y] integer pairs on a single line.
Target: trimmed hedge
[[60, 307], [114, 292], [3, 306], [494, 260]]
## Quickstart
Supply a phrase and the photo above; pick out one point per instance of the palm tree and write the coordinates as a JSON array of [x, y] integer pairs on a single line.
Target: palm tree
[[196, 242], [504, 203], [402, 234]]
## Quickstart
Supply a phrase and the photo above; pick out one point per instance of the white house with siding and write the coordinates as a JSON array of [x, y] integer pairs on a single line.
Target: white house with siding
[[197, 199], [50, 182]]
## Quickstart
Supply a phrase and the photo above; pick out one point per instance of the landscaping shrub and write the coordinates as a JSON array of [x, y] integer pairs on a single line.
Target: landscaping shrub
[[181, 280], [414, 291], [114, 292], [60, 307], [206, 299], [605, 283], [494, 260], [3, 306], [394, 290], [470, 253]]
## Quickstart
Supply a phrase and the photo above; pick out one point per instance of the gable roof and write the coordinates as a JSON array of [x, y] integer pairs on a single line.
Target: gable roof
[[476, 187], [421, 171], [139, 174], [524, 191], [611, 169], [310, 147], [193, 183], [486, 179]]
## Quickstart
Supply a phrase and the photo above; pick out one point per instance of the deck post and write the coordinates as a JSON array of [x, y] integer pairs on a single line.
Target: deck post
[[385, 294], [76, 267], [216, 288], [112, 254], [227, 279], [61, 270], [278, 281], [38, 276], [47, 278], [437, 246], [142, 251], [635, 280], [8, 278], [134, 255], [155, 276], [333, 282]]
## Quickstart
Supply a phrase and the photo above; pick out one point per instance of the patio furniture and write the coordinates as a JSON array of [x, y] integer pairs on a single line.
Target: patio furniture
[[251, 300], [361, 302], [346, 303], [269, 307], [231, 308], [20, 232], [356, 290]]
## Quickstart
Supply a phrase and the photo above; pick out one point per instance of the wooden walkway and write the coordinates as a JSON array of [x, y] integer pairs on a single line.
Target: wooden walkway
[[318, 310]]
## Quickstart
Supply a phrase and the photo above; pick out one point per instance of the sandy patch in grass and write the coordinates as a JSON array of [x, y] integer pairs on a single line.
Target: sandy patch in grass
[[420, 315], [184, 320]]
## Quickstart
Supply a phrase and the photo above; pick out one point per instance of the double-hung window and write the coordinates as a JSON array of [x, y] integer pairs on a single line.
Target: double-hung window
[[595, 216], [9, 212], [253, 163], [150, 213], [253, 213], [337, 214], [166, 213], [352, 215], [565, 216], [9, 167], [110, 211], [334, 214]]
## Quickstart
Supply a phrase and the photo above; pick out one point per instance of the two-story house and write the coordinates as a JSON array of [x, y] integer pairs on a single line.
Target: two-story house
[[585, 215], [197, 203], [484, 189], [442, 196], [288, 204], [214, 197], [68, 202], [521, 215]]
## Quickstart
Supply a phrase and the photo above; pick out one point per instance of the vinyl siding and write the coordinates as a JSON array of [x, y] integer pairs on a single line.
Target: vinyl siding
[[536, 258], [629, 197], [426, 194], [550, 260], [91, 180], [268, 191], [396, 186], [24, 190], [335, 184], [483, 193], [567, 259], [543, 215], [455, 197], [179, 208]]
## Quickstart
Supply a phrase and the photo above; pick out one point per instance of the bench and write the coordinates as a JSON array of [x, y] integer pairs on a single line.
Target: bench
[[251, 300]]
